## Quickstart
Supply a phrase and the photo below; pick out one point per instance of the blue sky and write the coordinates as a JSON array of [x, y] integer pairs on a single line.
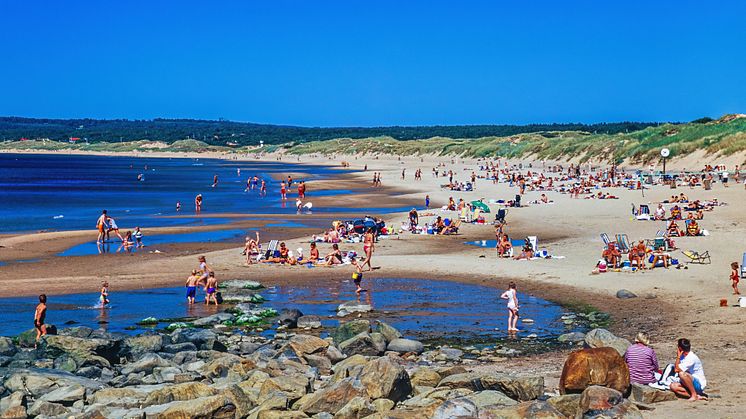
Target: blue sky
[[369, 63]]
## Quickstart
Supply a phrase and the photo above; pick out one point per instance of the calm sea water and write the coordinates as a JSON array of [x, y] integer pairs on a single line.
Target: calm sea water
[[68, 192]]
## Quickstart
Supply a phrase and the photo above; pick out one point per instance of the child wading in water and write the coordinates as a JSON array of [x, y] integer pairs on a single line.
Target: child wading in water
[[734, 277], [39, 317], [104, 297], [512, 298], [191, 286], [357, 276], [211, 289]]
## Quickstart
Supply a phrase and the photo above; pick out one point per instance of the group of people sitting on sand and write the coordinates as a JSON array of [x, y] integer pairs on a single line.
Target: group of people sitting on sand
[[638, 256]]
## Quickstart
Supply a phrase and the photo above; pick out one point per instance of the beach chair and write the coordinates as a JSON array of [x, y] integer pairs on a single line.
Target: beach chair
[[743, 266], [271, 248], [660, 242], [475, 216], [464, 215], [605, 238], [696, 257], [534, 241], [622, 243], [500, 216]]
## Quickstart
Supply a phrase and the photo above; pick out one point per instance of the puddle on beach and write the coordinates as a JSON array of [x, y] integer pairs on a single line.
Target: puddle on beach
[[114, 245], [491, 244], [431, 311]]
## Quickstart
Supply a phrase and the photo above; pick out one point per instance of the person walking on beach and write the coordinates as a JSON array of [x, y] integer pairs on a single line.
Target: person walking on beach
[[302, 190], [40, 316], [198, 203], [101, 227], [368, 247], [283, 191], [357, 275], [735, 277], [191, 286], [512, 296], [211, 289]]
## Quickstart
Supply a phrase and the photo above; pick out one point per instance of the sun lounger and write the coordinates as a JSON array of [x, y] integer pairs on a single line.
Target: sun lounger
[[271, 248], [623, 243], [696, 257], [605, 238], [500, 216], [464, 216], [743, 266], [534, 241]]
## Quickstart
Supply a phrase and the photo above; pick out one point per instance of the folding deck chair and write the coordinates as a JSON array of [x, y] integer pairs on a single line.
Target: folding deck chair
[[696, 257], [271, 248]]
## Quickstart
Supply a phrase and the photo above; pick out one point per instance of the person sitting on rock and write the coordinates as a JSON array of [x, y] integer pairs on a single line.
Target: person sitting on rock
[[641, 360], [692, 379]]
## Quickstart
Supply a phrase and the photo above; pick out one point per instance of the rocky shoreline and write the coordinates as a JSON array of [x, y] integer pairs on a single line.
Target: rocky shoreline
[[363, 369]]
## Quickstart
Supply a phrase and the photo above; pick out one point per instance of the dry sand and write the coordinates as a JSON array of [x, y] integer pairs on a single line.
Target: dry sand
[[686, 303]]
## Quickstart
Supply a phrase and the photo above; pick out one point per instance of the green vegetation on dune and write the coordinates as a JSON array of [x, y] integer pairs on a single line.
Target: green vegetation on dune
[[725, 136]]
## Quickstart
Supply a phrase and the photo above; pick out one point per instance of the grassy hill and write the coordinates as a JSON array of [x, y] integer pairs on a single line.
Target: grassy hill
[[725, 136]]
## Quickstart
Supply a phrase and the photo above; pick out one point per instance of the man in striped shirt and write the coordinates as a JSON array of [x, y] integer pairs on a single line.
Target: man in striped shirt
[[642, 361]]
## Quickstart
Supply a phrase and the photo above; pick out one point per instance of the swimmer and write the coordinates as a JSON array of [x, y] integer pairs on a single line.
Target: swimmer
[[211, 289], [215, 181], [191, 286], [178, 206], [263, 188]]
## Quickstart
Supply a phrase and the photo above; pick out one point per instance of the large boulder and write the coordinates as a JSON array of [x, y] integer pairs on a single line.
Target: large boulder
[[568, 404], [456, 408], [14, 406], [642, 393], [331, 398], [598, 366], [406, 345], [518, 388], [179, 392], [603, 402], [65, 395], [37, 382], [350, 307], [135, 346], [82, 349], [383, 378], [44, 408], [358, 407], [201, 338], [388, 331], [27, 339], [7, 348], [309, 321], [425, 377], [361, 344], [490, 398], [349, 329], [215, 407], [304, 345], [600, 338], [534, 410], [289, 317], [293, 386], [145, 364]]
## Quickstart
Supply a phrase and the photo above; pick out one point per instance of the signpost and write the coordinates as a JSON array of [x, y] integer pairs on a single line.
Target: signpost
[[665, 153]]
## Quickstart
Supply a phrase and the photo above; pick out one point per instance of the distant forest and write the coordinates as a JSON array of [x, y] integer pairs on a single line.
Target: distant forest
[[222, 132]]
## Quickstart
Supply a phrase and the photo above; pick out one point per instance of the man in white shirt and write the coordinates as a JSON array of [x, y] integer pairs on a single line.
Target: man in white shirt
[[692, 379]]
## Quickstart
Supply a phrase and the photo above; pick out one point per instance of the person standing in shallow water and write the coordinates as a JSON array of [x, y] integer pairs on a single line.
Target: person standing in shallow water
[[512, 296], [40, 316]]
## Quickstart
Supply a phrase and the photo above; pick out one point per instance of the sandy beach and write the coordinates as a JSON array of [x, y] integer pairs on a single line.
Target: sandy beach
[[672, 303]]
